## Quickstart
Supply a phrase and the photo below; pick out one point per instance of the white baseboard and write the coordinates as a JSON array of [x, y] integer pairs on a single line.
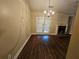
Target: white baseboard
[[44, 33], [18, 52]]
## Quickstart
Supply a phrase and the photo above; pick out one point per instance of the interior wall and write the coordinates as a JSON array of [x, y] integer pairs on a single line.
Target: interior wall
[[62, 19], [59, 19], [71, 28], [15, 26], [73, 50]]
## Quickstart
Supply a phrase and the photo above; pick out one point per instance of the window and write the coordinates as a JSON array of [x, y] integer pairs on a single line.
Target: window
[[43, 24]]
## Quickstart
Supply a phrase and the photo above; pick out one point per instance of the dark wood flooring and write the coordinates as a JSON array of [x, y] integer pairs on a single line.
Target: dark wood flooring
[[45, 47]]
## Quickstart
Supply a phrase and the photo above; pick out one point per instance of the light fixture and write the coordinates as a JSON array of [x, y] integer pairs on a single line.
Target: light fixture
[[49, 12]]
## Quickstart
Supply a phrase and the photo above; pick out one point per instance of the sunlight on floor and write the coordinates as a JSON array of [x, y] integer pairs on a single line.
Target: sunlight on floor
[[45, 38]]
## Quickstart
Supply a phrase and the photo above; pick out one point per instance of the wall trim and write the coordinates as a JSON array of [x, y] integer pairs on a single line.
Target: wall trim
[[44, 33], [18, 52]]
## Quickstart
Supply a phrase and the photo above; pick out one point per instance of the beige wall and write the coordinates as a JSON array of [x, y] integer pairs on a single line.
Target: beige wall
[[62, 19], [73, 19], [57, 19], [73, 51], [14, 26]]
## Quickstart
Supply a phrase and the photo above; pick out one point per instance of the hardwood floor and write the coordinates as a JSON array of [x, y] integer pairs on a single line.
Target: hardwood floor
[[45, 47]]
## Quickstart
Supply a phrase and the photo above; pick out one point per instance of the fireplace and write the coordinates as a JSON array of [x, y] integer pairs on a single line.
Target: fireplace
[[61, 29]]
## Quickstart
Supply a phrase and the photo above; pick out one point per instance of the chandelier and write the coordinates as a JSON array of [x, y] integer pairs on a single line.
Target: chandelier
[[49, 12]]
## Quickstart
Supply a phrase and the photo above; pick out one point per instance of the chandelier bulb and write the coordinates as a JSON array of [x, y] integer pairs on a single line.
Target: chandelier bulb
[[45, 11], [53, 13]]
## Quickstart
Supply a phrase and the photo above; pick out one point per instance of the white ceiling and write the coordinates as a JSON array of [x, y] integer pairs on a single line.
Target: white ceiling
[[65, 6]]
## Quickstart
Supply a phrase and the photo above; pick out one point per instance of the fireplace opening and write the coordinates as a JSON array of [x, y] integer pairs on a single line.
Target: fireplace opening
[[61, 29]]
